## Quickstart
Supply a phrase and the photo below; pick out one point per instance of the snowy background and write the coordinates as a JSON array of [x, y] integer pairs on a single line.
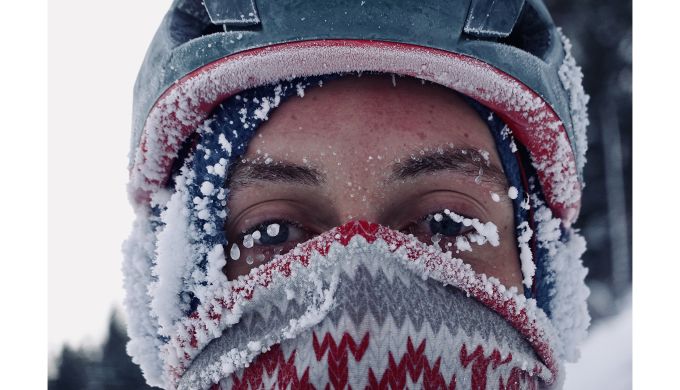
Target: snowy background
[[90, 92]]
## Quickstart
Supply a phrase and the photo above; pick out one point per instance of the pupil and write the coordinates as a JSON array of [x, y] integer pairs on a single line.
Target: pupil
[[279, 238], [445, 227]]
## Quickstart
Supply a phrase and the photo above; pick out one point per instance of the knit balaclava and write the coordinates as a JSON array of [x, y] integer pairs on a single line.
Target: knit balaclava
[[358, 306]]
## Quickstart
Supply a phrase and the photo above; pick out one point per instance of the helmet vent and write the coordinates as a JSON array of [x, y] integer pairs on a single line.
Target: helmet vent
[[530, 34], [492, 18], [233, 12]]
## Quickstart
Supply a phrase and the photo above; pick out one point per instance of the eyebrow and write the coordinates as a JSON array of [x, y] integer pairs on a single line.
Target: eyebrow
[[246, 173], [468, 161]]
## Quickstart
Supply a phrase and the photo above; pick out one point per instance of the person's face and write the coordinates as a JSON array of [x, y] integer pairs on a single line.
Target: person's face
[[363, 149]]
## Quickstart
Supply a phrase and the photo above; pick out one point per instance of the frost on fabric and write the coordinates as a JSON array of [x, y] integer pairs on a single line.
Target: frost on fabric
[[568, 301], [172, 254], [317, 311], [572, 80], [309, 274], [314, 285], [525, 256], [267, 103], [138, 253]]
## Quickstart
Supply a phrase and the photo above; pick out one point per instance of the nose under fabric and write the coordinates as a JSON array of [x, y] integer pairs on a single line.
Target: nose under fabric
[[366, 306]]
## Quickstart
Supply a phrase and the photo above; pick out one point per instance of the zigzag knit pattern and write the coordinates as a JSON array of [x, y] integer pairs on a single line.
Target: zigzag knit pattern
[[346, 365], [386, 329]]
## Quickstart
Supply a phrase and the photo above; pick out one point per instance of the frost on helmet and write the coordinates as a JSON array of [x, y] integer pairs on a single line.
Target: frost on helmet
[[572, 79]]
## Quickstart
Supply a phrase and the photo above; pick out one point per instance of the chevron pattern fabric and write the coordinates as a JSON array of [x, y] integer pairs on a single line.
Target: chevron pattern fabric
[[387, 328]]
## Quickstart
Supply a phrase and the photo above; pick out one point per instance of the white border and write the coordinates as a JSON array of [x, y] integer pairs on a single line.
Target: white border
[[656, 210], [23, 28]]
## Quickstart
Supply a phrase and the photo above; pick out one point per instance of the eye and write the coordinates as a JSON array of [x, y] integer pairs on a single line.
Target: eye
[[440, 227], [260, 243], [275, 232], [443, 224]]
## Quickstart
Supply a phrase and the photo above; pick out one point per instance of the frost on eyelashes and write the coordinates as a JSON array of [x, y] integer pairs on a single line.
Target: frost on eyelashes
[[484, 232]]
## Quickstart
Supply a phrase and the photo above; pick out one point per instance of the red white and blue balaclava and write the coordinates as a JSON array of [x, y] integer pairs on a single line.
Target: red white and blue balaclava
[[359, 306]]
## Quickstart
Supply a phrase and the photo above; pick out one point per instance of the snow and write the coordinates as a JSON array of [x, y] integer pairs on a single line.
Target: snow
[[207, 188], [525, 255], [255, 346], [572, 80], [234, 252], [273, 229], [248, 241], [142, 326], [512, 193], [484, 232], [569, 295], [172, 255], [319, 308], [224, 143], [462, 244]]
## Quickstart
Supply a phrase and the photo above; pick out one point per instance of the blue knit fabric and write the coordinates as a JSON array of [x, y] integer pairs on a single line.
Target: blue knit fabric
[[516, 161]]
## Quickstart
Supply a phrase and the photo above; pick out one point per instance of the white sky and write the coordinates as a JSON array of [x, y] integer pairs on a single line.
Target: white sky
[[95, 50]]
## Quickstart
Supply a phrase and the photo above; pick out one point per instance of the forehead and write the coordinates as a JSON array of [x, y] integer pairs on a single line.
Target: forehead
[[377, 117]]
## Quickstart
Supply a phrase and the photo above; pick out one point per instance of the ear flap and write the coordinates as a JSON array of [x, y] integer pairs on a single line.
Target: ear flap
[[492, 18], [232, 12]]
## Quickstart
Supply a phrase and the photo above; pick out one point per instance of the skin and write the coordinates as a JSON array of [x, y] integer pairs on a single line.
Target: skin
[[354, 133]]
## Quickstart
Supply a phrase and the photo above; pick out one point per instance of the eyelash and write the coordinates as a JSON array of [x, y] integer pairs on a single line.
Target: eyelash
[[262, 227], [431, 216]]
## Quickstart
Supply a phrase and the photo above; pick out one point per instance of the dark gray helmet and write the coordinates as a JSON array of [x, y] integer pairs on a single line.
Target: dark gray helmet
[[507, 55]]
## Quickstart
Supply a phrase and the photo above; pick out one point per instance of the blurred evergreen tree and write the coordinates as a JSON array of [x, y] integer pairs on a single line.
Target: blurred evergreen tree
[[71, 374], [115, 370], [109, 368]]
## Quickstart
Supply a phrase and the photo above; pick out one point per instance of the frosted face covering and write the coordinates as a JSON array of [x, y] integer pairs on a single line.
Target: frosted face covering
[[363, 305]]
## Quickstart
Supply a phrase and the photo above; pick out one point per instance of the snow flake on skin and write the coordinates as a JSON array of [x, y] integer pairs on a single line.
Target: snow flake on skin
[[301, 264]]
